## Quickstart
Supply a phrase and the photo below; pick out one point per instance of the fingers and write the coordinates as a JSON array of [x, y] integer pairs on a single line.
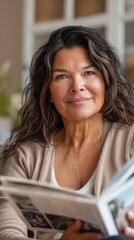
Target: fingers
[[73, 233], [130, 216], [74, 227], [91, 236], [129, 231]]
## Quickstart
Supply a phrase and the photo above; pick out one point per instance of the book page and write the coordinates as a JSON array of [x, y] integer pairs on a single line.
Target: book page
[[46, 208], [55, 211], [37, 185], [119, 202]]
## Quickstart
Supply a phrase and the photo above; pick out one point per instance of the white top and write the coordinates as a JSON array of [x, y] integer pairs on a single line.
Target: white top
[[87, 188]]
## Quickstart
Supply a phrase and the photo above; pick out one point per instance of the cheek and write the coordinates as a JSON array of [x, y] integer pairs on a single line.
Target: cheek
[[57, 96], [58, 91], [98, 87], [101, 91]]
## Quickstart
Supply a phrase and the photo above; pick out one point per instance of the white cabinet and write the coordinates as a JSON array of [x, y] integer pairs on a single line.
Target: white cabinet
[[114, 18]]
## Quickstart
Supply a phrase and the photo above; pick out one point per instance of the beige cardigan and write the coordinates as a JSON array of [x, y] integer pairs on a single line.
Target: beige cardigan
[[35, 162]]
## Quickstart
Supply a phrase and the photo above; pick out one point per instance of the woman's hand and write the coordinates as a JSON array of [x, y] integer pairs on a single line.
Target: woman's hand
[[73, 233], [129, 231]]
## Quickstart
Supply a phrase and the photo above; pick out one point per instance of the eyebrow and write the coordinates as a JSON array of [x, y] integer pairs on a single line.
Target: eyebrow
[[89, 66], [59, 70], [63, 70]]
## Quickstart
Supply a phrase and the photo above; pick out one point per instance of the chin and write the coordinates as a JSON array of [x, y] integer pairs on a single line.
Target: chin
[[83, 117], [79, 118]]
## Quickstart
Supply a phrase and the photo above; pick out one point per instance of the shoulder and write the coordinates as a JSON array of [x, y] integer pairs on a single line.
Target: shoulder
[[123, 127], [28, 160], [117, 149], [31, 150], [124, 136], [119, 129], [120, 139]]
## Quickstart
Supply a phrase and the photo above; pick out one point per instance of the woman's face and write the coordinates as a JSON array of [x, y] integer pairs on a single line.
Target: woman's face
[[77, 88]]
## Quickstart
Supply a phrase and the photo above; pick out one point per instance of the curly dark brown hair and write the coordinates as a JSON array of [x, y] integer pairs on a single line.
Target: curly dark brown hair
[[39, 117]]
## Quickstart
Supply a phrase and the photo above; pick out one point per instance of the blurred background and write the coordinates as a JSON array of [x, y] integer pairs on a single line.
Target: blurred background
[[26, 24]]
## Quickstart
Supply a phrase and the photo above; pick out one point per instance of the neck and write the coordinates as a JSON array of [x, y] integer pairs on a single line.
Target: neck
[[77, 134]]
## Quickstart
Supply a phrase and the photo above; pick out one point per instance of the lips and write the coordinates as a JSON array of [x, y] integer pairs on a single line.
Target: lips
[[79, 101]]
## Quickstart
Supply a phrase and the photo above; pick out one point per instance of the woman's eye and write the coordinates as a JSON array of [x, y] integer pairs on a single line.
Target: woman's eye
[[61, 76], [89, 73]]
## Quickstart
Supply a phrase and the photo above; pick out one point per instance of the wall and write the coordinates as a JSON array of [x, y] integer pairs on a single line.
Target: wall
[[11, 38]]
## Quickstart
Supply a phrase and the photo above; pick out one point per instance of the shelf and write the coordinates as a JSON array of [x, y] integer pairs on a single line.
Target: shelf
[[97, 21]]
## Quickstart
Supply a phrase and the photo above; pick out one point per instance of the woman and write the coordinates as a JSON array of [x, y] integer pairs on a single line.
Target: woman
[[76, 123]]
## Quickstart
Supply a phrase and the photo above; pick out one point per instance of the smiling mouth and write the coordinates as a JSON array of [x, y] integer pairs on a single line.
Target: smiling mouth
[[81, 101]]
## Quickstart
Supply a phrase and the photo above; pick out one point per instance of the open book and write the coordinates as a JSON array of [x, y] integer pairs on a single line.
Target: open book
[[44, 207]]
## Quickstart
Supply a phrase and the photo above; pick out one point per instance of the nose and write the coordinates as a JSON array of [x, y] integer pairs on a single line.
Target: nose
[[77, 85]]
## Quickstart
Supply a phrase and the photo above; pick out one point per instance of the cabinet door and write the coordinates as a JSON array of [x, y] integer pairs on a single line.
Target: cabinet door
[[48, 10], [89, 7], [129, 39]]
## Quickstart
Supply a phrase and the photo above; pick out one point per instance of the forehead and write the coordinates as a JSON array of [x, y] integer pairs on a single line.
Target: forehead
[[67, 56]]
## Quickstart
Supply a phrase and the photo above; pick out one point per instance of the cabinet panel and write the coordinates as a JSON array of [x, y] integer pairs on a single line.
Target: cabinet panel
[[48, 10], [130, 73], [89, 7], [129, 47], [40, 40], [129, 6], [129, 35]]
